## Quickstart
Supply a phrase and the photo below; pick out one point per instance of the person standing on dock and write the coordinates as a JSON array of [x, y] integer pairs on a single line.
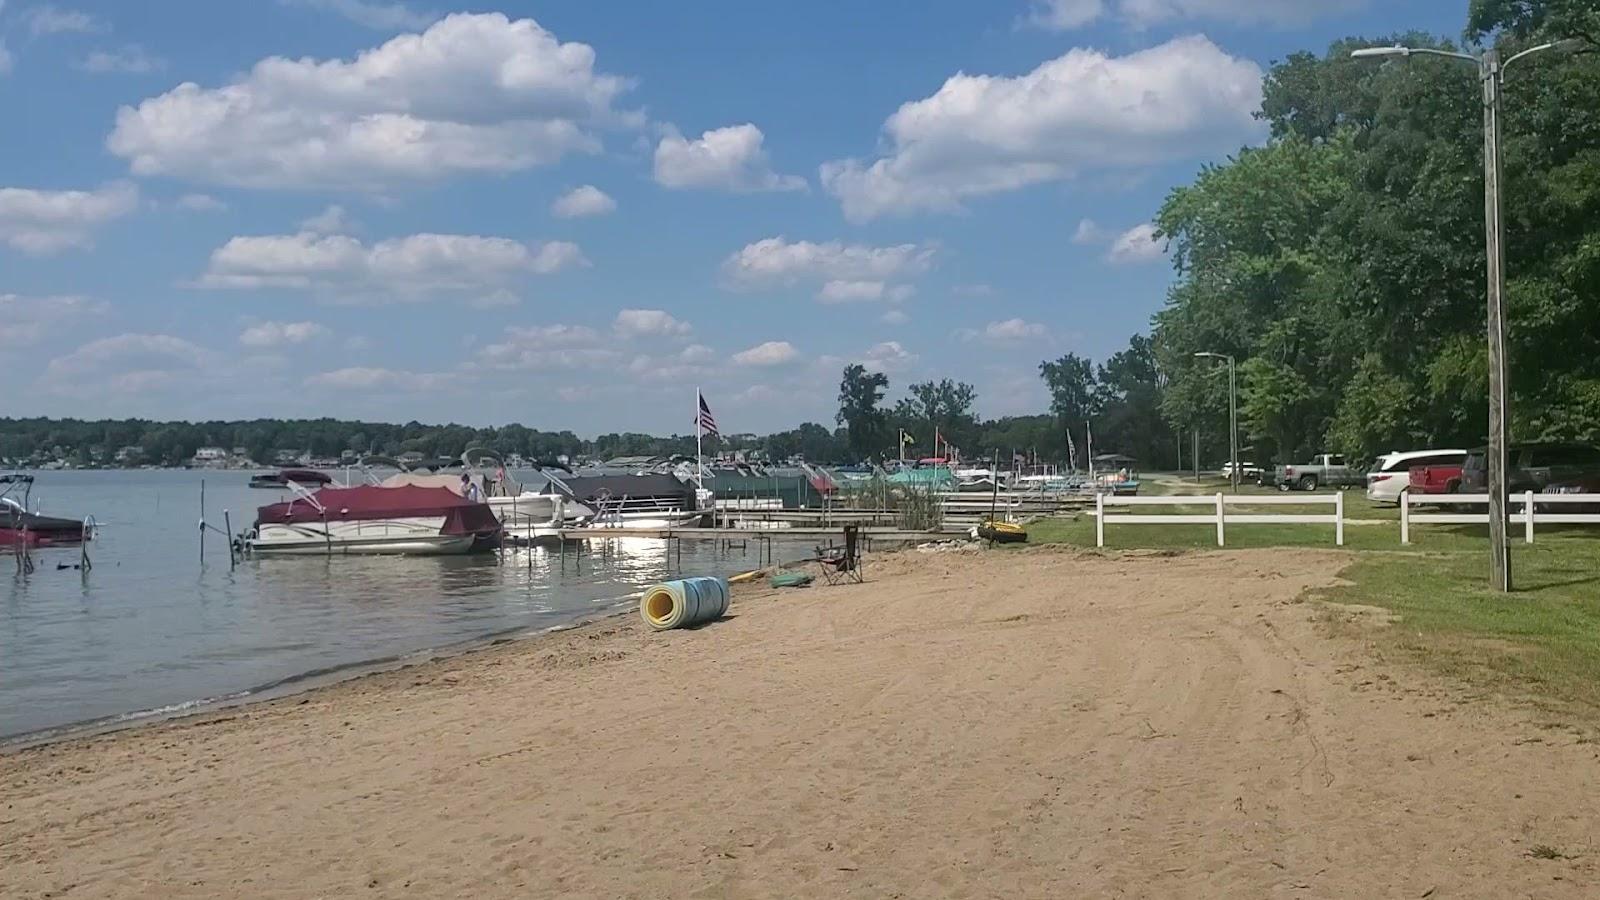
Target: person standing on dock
[[469, 489]]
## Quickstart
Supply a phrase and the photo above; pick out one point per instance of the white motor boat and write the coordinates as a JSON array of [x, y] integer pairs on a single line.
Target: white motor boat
[[641, 502], [371, 519]]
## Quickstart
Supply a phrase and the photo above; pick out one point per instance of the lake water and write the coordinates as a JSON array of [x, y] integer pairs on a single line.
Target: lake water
[[149, 630]]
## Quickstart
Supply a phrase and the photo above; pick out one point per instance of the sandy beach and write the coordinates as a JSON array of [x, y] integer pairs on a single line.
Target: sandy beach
[[1034, 724]]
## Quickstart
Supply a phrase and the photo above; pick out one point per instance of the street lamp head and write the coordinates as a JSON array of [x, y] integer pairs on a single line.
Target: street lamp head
[[1371, 52], [1571, 45], [1206, 354]]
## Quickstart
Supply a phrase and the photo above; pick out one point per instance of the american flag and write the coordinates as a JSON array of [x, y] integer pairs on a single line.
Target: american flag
[[708, 422]]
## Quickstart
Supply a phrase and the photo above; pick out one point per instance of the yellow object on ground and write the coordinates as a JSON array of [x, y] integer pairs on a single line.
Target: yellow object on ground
[[742, 577], [1003, 532], [687, 601]]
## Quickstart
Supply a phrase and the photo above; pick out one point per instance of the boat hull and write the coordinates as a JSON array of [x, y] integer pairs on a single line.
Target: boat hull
[[651, 520], [409, 537]]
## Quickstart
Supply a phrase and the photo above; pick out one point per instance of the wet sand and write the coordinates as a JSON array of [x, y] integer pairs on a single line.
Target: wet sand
[[1033, 724]]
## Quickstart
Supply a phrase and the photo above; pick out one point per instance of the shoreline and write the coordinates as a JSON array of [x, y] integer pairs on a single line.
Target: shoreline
[[1043, 722], [299, 683]]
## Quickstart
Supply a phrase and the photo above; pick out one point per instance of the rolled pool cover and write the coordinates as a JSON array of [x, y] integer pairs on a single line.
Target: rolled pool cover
[[687, 601]]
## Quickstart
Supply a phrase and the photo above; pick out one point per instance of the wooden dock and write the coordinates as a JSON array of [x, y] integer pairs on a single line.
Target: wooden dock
[[770, 532]]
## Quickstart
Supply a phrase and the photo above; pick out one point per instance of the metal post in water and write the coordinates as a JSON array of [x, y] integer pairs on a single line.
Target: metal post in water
[[227, 523], [202, 521]]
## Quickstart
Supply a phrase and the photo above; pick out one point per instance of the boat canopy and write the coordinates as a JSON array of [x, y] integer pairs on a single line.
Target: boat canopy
[[302, 476], [364, 502], [588, 487]]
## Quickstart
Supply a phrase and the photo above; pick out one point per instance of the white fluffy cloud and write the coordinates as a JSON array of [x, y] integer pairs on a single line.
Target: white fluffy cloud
[[130, 60], [771, 353], [550, 348], [581, 202], [39, 222], [1083, 111], [1136, 245], [280, 334], [895, 317], [25, 321], [471, 94], [842, 271], [728, 159], [364, 378], [1065, 15], [1006, 331], [888, 356], [127, 363], [395, 270], [633, 323], [374, 14]]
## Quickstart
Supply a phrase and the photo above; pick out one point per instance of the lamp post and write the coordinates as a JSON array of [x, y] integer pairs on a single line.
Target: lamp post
[[1491, 71], [1233, 416]]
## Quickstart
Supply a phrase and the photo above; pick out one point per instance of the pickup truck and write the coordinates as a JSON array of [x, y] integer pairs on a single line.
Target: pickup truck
[[1445, 479], [1324, 469]]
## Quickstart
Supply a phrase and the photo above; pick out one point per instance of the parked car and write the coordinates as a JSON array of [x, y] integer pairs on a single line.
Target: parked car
[[1324, 469], [1390, 474], [1248, 471], [1440, 479], [1531, 467], [1588, 484]]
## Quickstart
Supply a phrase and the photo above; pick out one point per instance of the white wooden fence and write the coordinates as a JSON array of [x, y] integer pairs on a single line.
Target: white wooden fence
[[1219, 515], [1529, 516]]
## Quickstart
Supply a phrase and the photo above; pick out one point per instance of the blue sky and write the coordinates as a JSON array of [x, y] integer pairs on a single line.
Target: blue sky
[[569, 214]]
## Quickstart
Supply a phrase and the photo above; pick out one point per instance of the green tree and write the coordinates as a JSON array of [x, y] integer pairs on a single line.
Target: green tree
[[860, 392], [939, 408]]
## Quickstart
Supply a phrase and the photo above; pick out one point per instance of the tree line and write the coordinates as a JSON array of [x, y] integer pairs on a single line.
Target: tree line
[[1343, 264]]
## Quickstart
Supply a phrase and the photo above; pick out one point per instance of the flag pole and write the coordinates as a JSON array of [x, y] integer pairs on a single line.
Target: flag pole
[[699, 432]]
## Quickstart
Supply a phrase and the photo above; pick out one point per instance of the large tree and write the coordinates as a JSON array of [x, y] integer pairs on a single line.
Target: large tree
[[860, 392], [939, 408], [1342, 262]]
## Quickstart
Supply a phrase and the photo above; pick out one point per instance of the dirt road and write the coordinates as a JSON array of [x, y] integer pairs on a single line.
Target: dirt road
[[1032, 724]]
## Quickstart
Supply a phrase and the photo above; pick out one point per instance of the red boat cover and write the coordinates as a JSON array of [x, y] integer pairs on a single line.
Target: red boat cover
[[346, 504]]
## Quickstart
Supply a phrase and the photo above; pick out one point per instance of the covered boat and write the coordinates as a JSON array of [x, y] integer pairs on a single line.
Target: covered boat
[[309, 478], [18, 525], [649, 500], [408, 519]]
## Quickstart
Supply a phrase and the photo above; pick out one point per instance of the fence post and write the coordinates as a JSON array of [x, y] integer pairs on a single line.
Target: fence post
[[1405, 517], [1220, 517], [1338, 514], [1527, 516], [1099, 519]]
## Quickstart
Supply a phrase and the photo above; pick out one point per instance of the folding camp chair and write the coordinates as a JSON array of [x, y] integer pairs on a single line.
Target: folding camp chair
[[840, 563]]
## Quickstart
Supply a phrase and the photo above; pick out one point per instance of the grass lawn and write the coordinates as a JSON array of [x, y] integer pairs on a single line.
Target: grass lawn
[[1541, 643]]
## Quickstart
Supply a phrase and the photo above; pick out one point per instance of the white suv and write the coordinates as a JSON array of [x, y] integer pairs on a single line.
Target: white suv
[[1390, 474]]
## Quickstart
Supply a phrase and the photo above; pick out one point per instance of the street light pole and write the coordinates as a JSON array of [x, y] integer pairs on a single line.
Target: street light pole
[[1233, 416], [1491, 71]]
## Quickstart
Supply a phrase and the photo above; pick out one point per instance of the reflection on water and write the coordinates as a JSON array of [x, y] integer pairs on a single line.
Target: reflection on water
[[150, 627]]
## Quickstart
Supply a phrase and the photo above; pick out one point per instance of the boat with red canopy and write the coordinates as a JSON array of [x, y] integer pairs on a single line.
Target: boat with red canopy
[[406, 519], [20, 526]]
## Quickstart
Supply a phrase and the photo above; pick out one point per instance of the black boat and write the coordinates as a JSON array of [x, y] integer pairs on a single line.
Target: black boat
[[308, 478], [17, 525]]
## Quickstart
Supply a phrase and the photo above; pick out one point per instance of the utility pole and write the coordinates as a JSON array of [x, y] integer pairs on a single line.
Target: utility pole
[[1233, 415], [1489, 70]]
